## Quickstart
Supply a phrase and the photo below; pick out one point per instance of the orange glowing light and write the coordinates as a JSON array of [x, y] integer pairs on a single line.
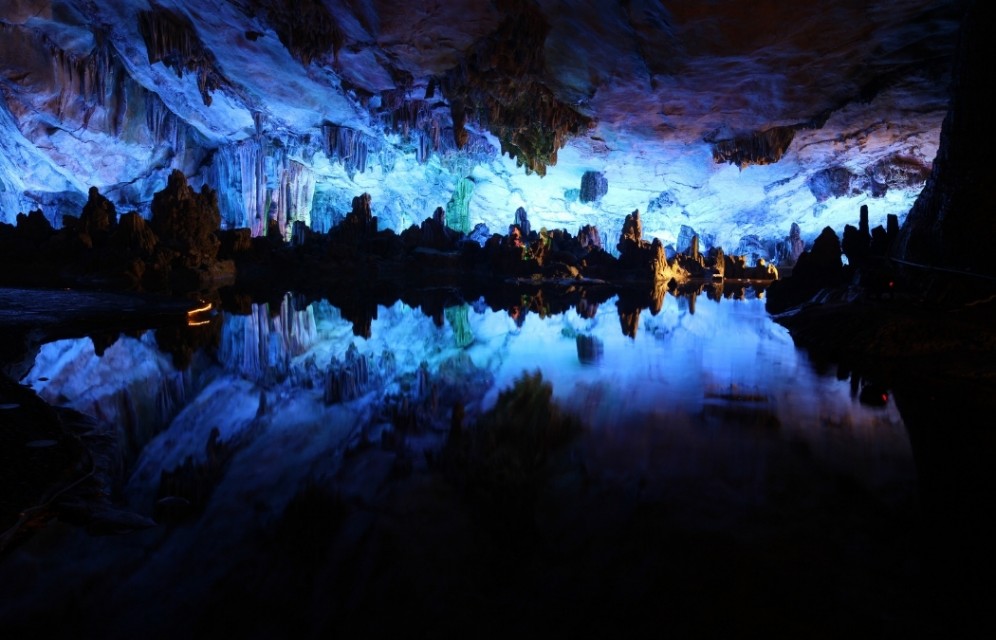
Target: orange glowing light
[[206, 306], [193, 316]]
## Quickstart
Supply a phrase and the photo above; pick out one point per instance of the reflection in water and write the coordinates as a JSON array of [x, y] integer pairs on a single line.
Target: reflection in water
[[700, 420]]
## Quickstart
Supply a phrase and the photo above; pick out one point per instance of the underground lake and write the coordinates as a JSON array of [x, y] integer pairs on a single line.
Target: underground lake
[[284, 470]]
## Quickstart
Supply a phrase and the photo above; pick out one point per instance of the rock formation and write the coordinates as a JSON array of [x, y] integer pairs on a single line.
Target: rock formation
[[186, 222], [593, 186], [948, 226]]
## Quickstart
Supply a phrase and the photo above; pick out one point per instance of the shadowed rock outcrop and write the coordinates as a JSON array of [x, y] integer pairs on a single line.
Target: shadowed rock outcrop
[[186, 222], [949, 225]]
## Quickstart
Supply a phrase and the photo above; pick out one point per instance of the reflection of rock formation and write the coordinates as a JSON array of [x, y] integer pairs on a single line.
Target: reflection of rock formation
[[259, 346], [629, 318], [459, 321], [657, 296], [184, 491], [349, 378], [590, 349], [586, 308]]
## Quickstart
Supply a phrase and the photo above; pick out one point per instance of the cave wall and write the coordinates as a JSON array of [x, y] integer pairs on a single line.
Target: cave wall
[[290, 110], [952, 223]]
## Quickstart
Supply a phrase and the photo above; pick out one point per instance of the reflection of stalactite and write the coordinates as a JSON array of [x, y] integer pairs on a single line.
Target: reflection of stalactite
[[587, 309], [350, 378], [135, 433], [172, 395], [657, 296], [423, 381], [629, 308], [459, 321], [629, 322], [260, 347], [184, 491], [298, 327], [590, 349]]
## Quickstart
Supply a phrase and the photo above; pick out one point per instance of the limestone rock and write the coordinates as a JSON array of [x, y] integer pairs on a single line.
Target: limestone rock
[[594, 185], [186, 221], [98, 216]]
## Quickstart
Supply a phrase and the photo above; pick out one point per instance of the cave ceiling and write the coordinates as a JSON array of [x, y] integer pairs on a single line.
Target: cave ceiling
[[839, 99]]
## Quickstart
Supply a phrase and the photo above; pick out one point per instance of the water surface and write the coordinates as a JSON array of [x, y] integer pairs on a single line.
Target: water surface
[[711, 447]]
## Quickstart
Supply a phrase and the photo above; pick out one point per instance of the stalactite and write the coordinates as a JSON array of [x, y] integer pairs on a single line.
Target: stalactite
[[294, 196], [758, 147], [252, 172], [87, 85], [347, 146], [227, 181], [171, 38], [496, 86], [165, 128], [90, 86], [305, 27], [458, 208]]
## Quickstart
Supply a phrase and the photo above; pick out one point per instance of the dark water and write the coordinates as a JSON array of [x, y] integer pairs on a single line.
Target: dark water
[[719, 481]]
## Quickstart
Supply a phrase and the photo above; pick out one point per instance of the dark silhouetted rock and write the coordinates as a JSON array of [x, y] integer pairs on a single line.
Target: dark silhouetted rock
[[855, 244], [594, 185], [34, 227], [186, 221], [819, 268], [133, 237], [632, 229], [234, 242], [789, 250], [98, 216], [479, 234], [522, 221], [880, 242], [824, 257]]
